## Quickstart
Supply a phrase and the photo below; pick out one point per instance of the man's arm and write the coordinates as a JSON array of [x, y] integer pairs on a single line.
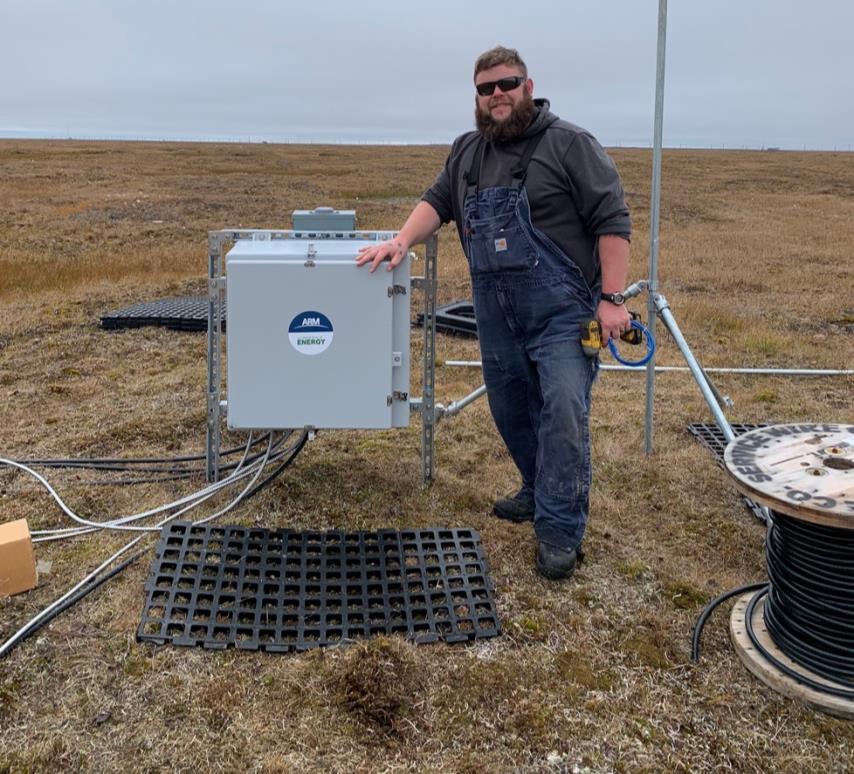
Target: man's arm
[[422, 222], [614, 257]]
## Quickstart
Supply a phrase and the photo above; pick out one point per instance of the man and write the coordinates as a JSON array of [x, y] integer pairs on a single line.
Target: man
[[541, 215]]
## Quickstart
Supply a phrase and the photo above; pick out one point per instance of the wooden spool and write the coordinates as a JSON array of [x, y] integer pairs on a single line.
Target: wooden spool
[[806, 472]]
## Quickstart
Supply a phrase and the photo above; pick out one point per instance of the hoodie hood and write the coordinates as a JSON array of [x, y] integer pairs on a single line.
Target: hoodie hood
[[543, 118]]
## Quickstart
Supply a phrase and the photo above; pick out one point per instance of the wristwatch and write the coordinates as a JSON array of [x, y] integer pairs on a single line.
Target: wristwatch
[[615, 298]]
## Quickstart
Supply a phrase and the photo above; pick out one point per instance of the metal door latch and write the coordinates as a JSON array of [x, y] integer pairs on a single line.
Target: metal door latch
[[311, 255]]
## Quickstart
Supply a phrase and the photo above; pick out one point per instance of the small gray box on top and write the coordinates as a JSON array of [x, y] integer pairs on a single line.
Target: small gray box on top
[[324, 219]]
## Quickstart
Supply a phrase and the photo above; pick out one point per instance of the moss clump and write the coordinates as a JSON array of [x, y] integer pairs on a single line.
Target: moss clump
[[581, 674], [377, 681], [683, 595], [766, 396], [645, 647], [633, 569], [135, 666]]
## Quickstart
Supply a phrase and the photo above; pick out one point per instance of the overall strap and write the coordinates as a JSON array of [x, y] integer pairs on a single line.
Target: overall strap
[[520, 169], [518, 172], [473, 175]]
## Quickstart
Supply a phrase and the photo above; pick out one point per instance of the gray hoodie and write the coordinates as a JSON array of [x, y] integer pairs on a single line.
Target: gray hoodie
[[572, 184]]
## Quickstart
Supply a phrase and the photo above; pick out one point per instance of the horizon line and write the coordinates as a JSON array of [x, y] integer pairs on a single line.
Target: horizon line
[[28, 135]]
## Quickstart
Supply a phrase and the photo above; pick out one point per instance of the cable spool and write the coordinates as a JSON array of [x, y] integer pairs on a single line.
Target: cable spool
[[797, 634]]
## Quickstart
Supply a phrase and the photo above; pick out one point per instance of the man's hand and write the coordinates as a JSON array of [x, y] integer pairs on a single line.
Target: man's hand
[[394, 251], [614, 319]]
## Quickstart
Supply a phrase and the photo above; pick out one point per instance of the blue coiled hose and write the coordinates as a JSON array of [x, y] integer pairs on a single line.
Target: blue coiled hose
[[650, 347]]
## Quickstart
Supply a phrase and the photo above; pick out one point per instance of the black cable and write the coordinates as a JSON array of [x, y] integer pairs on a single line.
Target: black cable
[[809, 603], [795, 675], [709, 609], [82, 592], [809, 611], [296, 450], [171, 473], [188, 473], [59, 462]]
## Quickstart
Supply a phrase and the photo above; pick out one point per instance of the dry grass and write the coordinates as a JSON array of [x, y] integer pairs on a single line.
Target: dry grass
[[592, 674]]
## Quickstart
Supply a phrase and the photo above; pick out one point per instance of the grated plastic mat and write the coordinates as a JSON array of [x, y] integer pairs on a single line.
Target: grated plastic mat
[[185, 314], [282, 590], [712, 437], [456, 317]]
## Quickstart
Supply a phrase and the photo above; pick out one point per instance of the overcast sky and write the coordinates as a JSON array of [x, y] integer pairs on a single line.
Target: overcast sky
[[753, 73]]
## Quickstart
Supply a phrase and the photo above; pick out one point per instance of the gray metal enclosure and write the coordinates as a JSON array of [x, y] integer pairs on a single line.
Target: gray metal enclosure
[[313, 340]]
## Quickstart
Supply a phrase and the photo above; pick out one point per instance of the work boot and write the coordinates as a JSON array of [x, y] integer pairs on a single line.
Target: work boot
[[519, 508], [555, 563]]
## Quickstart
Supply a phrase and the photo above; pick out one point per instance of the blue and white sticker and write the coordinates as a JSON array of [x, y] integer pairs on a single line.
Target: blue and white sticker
[[310, 333]]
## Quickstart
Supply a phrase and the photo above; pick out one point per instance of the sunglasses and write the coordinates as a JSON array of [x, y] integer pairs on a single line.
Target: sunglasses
[[504, 84]]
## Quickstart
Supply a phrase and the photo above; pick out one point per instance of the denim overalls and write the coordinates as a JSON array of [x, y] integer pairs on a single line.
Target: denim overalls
[[529, 301]]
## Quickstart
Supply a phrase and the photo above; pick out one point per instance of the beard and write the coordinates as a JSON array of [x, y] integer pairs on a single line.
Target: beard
[[512, 127]]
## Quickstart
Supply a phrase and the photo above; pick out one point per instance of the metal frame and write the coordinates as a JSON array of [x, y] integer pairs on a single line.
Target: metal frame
[[217, 407], [428, 284], [216, 297]]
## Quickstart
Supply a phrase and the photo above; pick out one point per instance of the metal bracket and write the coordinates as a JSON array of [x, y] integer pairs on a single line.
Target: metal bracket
[[396, 395], [427, 284]]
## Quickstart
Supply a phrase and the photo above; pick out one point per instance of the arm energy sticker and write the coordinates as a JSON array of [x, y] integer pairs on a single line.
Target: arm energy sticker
[[310, 333]]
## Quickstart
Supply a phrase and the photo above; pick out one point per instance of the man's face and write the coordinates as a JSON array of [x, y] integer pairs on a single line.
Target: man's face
[[500, 114]]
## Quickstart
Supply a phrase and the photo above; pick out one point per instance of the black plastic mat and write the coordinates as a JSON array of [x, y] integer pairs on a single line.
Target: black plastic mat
[[712, 437], [456, 317], [281, 590], [184, 314]]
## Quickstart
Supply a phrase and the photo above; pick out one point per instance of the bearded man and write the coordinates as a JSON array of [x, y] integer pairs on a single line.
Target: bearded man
[[542, 218]]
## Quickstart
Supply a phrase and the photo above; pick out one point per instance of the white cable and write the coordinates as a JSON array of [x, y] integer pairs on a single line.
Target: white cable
[[118, 523], [70, 532], [6, 646], [237, 474]]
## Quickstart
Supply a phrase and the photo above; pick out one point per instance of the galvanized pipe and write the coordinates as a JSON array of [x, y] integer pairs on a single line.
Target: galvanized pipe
[[655, 204], [669, 321], [458, 405], [666, 369]]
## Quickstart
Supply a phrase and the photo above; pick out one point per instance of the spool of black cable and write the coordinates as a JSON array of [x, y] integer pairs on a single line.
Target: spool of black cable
[[797, 635]]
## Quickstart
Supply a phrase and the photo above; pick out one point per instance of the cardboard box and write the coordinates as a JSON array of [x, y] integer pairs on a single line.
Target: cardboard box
[[17, 562]]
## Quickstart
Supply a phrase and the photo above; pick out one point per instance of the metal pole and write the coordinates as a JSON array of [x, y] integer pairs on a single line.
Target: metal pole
[[655, 201]]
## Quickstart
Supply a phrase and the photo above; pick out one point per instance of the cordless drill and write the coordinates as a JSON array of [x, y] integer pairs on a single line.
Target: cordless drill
[[591, 336]]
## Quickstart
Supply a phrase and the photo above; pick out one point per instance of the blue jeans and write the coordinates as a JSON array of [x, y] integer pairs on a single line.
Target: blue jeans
[[538, 382]]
